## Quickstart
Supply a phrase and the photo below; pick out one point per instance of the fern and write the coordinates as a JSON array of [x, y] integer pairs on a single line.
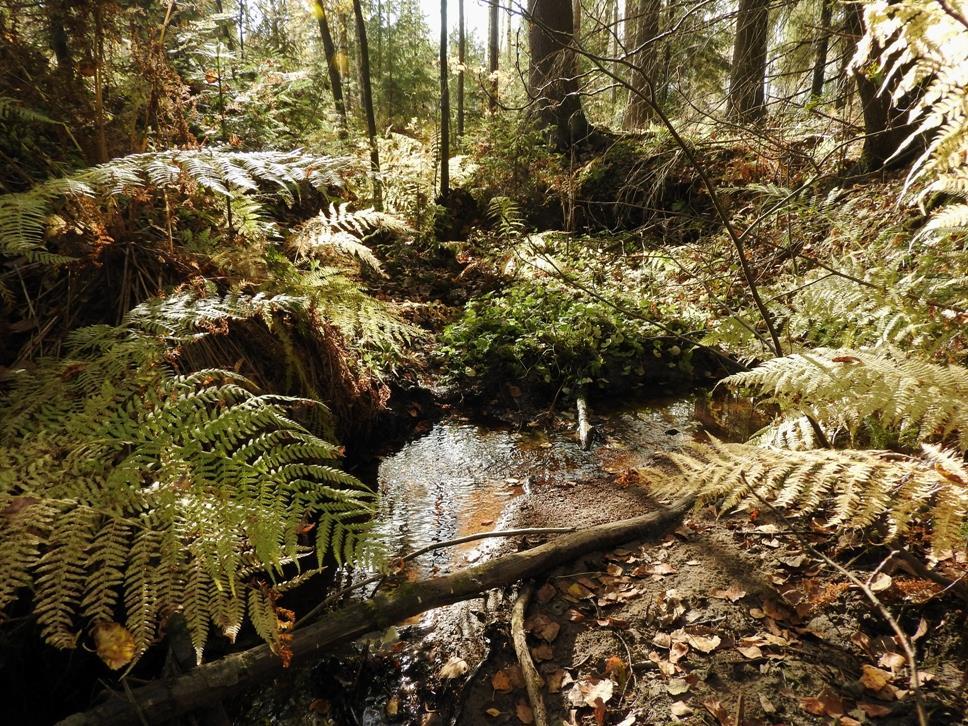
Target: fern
[[843, 388], [129, 493], [853, 488], [24, 216], [507, 216], [344, 232], [924, 53], [11, 109]]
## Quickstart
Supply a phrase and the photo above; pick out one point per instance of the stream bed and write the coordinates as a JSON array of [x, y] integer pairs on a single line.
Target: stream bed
[[463, 477]]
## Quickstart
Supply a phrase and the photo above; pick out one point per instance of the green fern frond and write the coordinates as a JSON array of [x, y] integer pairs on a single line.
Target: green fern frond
[[841, 388], [852, 488], [23, 216], [128, 493], [343, 231]]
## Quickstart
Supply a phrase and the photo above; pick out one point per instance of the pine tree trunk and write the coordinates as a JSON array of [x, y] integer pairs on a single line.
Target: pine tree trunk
[[366, 92], [493, 20], [645, 19], [747, 78], [551, 80], [332, 65], [461, 53], [444, 106], [823, 41]]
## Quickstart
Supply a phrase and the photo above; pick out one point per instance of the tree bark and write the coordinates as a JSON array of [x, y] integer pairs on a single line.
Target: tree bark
[[461, 57], [823, 41], [884, 124], [367, 93], [332, 64], [645, 19], [219, 680], [493, 20], [551, 81], [444, 106], [747, 78]]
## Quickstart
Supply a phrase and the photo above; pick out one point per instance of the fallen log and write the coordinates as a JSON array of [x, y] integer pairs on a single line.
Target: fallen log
[[166, 699]]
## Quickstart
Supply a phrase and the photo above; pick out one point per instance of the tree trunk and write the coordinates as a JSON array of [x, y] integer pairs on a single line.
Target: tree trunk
[[509, 39], [59, 40], [493, 20], [551, 80], [884, 125], [747, 78], [823, 41], [366, 92], [461, 57], [170, 698], [332, 64], [444, 106], [644, 60], [343, 43]]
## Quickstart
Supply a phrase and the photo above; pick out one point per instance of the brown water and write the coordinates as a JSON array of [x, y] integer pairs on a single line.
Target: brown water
[[462, 478]]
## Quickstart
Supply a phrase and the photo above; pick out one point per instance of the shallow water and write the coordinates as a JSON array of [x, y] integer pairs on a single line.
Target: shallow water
[[462, 478]]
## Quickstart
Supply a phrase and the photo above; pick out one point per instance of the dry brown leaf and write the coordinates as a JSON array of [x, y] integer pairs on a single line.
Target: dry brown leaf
[[812, 705], [546, 592], [662, 640], [493, 712], [880, 583], [543, 627], [667, 668], [678, 651], [703, 643], [114, 644], [733, 593], [617, 669], [750, 651], [543, 652], [767, 705], [680, 709], [894, 661], [874, 679], [523, 711], [677, 686], [454, 668], [717, 711]]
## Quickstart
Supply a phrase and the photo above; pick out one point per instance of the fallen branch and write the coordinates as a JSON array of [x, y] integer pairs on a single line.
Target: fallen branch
[[380, 577], [170, 698], [584, 428], [532, 680]]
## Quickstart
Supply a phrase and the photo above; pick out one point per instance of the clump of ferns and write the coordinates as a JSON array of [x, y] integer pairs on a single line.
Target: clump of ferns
[[906, 400], [129, 492]]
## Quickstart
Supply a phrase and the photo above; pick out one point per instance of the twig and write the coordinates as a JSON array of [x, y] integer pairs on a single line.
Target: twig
[[864, 587], [308, 617], [531, 678]]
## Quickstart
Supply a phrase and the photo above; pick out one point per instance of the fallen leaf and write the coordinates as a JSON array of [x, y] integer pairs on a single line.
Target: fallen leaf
[[524, 713], [894, 661], [812, 705], [773, 609], [454, 668], [678, 651], [718, 711], [575, 616], [667, 668], [881, 582], [546, 592], [615, 570], [393, 706], [733, 593], [680, 708], [662, 569], [543, 652], [750, 651], [493, 712], [543, 627], [874, 679], [662, 640], [873, 710], [501, 681], [921, 631], [114, 643], [703, 643], [602, 690], [616, 668], [767, 705], [677, 686]]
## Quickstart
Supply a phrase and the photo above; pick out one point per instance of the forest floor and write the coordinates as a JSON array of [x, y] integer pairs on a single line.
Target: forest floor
[[730, 619]]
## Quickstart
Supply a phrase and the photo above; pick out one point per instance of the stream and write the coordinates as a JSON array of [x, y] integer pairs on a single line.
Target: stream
[[463, 477]]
